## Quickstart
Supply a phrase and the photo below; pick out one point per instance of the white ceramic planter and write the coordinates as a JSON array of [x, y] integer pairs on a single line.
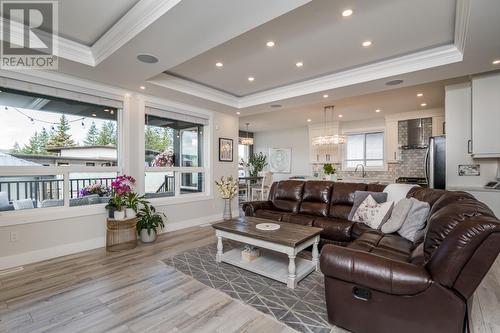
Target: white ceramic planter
[[119, 214], [130, 213], [148, 238], [333, 177]]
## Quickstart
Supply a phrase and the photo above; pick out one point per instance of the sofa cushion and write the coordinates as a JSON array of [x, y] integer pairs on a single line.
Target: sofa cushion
[[316, 198], [301, 219], [360, 196], [343, 199], [334, 229], [428, 195], [268, 214], [414, 224], [288, 195]]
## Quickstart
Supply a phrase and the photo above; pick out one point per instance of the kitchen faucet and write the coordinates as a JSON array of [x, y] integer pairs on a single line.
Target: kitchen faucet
[[363, 173]]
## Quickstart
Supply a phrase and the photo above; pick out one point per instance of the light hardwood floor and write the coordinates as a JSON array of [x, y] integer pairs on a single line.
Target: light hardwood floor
[[134, 291]]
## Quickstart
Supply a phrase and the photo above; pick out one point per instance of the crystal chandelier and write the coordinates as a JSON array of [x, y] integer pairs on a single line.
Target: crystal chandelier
[[246, 141], [328, 140]]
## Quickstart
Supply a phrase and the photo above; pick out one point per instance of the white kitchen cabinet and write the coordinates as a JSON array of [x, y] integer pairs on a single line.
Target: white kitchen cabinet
[[393, 152], [486, 117], [438, 123]]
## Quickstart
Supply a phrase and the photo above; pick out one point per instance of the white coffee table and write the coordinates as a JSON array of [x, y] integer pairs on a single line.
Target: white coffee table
[[279, 248]]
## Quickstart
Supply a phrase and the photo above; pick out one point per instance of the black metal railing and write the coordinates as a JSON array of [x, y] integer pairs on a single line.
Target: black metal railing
[[168, 185], [44, 189]]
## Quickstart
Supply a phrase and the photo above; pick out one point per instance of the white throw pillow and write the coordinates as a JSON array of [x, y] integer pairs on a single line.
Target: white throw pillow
[[414, 226], [23, 204], [373, 214], [396, 192], [398, 216]]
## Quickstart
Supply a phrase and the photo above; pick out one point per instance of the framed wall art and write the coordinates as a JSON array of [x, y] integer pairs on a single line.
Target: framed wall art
[[225, 150]]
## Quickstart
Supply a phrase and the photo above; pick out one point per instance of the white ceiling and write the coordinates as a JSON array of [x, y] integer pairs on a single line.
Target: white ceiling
[[351, 108], [323, 40]]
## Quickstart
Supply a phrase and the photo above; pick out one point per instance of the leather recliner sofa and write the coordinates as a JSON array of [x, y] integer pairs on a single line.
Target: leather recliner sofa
[[379, 282]]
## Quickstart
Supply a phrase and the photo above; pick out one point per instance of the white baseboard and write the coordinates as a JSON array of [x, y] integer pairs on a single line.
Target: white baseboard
[[51, 252], [91, 244]]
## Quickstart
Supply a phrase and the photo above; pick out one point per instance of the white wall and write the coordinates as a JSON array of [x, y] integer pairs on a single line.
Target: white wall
[[58, 235], [297, 139]]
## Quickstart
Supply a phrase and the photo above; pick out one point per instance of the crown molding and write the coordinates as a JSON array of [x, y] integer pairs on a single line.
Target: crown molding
[[143, 14], [195, 89], [462, 23]]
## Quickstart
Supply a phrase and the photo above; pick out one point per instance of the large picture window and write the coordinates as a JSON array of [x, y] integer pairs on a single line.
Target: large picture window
[[366, 149], [174, 154], [54, 151]]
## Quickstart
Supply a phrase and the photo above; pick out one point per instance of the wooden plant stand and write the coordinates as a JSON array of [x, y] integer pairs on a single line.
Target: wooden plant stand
[[121, 235]]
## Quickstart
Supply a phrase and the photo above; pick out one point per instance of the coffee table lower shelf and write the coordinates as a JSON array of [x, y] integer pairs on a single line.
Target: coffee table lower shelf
[[270, 264]]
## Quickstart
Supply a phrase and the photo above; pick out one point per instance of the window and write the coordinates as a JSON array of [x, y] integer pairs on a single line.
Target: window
[[366, 149], [174, 154], [50, 147]]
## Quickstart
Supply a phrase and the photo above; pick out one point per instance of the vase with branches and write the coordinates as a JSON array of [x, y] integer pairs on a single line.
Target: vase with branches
[[228, 189]]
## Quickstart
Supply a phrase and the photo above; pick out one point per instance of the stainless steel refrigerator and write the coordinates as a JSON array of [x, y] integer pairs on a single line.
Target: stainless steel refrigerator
[[435, 162]]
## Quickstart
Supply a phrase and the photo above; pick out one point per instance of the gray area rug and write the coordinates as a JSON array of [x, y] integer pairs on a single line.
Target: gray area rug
[[303, 308]]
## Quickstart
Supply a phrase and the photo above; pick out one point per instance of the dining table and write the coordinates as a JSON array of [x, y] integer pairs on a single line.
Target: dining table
[[248, 181]]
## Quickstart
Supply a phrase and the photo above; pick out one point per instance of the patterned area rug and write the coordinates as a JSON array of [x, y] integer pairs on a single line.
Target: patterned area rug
[[303, 308]]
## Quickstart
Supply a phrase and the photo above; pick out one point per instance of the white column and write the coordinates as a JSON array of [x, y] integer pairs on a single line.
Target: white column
[[291, 272], [218, 257], [132, 138]]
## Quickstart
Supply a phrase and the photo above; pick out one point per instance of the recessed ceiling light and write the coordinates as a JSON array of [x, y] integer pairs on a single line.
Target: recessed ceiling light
[[270, 43], [251, 79], [147, 58], [325, 96], [309, 120], [394, 82], [94, 115], [423, 104], [106, 110], [347, 12], [238, 113], [367, 43], [420, 95], [219, 64], [496, 62], [340, 116], [299, 64], [378, 110], [142, 88]]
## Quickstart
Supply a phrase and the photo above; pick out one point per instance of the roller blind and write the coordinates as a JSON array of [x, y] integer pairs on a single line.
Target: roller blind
[[190, 118]]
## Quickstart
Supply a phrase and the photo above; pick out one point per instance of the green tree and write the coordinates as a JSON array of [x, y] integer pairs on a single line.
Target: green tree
[[92, 138], [43, 141], [33, 145], [16, 149], [158, 139], [60, 137], [107, 135]]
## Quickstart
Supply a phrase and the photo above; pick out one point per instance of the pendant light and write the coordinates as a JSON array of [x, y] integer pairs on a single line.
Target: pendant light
[[247, 141]]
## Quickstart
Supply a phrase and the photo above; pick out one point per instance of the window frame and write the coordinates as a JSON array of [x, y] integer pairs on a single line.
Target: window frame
[[206, 193], [364, 160]]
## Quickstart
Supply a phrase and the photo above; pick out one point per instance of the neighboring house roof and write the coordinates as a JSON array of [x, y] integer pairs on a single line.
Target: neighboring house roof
[[58, 149], [9, 160]]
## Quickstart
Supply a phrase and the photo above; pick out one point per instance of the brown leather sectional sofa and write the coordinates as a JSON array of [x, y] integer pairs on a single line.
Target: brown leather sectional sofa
[[379, 282]]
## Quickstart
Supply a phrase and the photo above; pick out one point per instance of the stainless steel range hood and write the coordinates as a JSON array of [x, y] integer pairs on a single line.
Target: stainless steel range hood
[[416, 136]]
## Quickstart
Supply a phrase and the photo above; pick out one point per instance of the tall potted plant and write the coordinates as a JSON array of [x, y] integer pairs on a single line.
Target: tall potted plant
[[258, 163], [228, 189], [133, 201], [149, 223]]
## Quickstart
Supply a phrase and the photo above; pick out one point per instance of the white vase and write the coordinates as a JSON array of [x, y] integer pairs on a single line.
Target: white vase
[[148, 238], [120, 214], [333, 177], [130, 213], [227, 215]]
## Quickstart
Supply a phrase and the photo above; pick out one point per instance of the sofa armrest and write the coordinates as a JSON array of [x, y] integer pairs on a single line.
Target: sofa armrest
[[373, 271], [252, 206]]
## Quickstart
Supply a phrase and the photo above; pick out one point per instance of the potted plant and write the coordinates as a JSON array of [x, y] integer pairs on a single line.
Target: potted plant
[[228, 189], [133, 200], [329, 170], [96, 188], [258, 163], [117, 203], [149, 223]]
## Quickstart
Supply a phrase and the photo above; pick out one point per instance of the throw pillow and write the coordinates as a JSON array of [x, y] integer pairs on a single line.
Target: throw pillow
[[398, 216], [396, 192], [414, 225], [360, 196], [23, 204], [372, 213]]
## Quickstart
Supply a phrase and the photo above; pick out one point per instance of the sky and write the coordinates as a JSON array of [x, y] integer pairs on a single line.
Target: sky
[[14, 127]]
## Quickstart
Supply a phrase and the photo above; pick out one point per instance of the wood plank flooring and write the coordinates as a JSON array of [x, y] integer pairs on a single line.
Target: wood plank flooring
[[134, 291]]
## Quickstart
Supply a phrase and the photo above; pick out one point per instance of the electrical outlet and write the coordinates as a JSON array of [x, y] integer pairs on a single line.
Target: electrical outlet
[[14, 236]]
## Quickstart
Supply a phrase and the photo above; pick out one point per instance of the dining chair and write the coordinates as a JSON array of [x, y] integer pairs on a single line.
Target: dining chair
[[262, 191]]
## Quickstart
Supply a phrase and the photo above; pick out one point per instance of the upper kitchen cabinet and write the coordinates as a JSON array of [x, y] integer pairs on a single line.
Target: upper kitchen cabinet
[[486, 117]]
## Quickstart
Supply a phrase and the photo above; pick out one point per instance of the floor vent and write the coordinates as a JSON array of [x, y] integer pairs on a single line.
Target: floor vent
[[11, 270]]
